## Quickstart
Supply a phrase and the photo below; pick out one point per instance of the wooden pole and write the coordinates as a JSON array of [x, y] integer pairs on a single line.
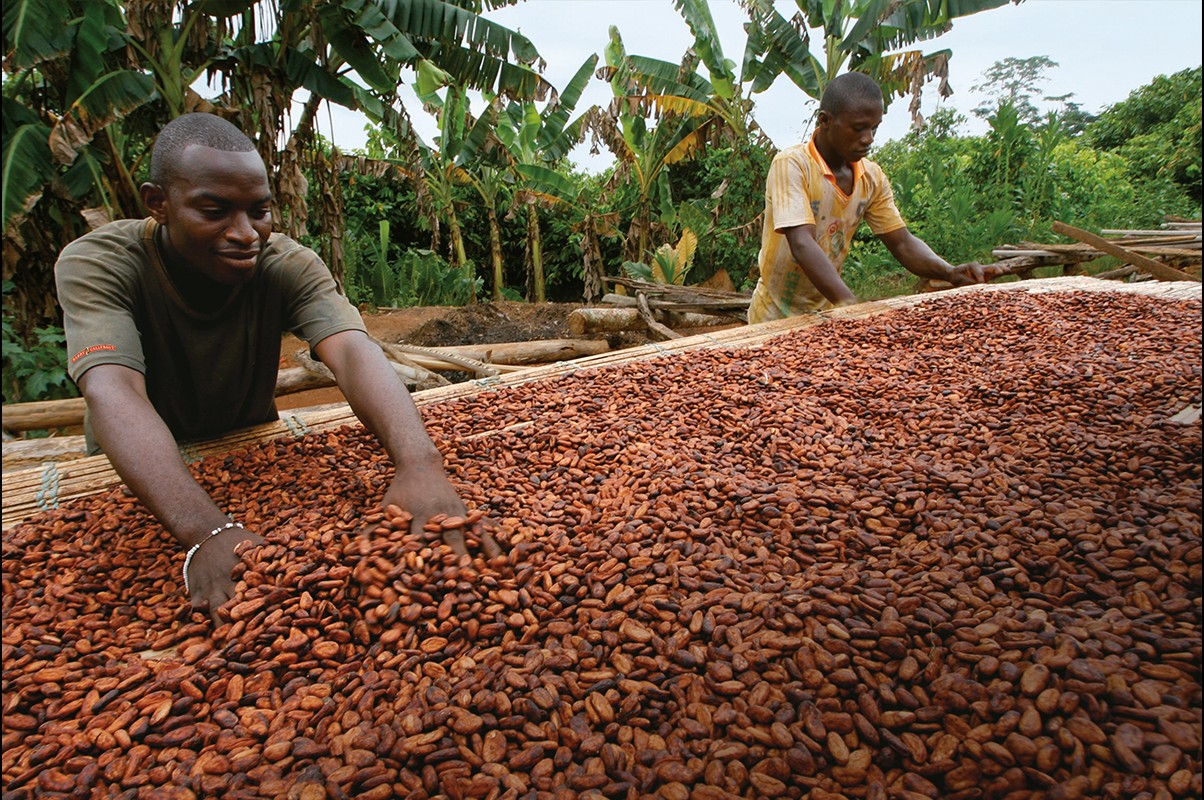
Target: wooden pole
[[503, 357], [44, 414], [1156, 268], [649, 320]]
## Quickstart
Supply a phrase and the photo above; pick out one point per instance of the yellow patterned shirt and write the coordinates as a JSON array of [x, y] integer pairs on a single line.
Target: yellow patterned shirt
[[802, 190]]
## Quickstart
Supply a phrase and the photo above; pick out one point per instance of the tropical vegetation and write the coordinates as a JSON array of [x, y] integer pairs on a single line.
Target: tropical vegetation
[[493, 207]]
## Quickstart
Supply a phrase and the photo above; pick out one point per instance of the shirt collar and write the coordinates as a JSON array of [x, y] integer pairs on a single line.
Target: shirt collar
[[828, 173]]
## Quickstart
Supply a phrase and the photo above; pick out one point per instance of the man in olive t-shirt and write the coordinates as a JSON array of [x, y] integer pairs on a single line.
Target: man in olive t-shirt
[[173, 328], [207, 372]]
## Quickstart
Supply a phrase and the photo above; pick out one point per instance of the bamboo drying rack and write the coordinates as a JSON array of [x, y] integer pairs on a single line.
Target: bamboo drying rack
[[32, 490]]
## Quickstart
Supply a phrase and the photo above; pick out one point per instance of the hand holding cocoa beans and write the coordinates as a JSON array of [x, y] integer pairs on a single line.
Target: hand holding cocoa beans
[[210, 578], [428, 497]]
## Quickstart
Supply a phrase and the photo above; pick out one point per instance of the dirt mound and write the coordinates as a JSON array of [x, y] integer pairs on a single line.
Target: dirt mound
[[490, 323]]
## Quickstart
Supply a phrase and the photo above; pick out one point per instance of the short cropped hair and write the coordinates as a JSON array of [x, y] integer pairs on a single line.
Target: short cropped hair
[[207, 130], [847, 90]]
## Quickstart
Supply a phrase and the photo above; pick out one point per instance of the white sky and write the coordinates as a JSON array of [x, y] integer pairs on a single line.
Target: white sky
[[1104, 50]]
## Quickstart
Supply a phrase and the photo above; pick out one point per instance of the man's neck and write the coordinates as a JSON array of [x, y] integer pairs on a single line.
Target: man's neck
[[198, 292], [831, 158]]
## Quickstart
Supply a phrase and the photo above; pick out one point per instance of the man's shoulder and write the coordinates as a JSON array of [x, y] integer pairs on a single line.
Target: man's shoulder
[[794, 151], [120, 233], [118, 246], [285, 252], [873, 170]]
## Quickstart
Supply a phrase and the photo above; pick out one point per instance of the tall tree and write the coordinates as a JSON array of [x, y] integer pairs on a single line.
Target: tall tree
[[1014, 81], [467, 154], [661, 114]]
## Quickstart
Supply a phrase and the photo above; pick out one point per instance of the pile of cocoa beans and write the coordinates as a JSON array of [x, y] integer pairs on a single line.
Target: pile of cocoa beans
[[947, 552]]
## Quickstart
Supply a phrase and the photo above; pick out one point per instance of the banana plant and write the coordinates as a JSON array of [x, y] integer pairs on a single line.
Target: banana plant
[[594, 220], [88, 83], [655, 120], [466, 154], [867, 36], [532, 142], [670, 264]]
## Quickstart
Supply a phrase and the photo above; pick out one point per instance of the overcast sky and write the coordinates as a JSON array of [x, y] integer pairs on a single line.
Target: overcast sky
[[1104, 50]]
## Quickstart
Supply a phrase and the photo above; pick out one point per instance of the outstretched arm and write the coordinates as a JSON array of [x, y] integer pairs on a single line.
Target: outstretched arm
[[378, 397], [918, 258], [145, 455], [817, 266]]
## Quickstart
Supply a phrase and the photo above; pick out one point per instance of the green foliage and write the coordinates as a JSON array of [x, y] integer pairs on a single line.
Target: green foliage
[[381, 279], [728, 184], [1157, 130], [670, 265], [386, 275], [35, 368], [875, 37], [964, 195], [425, 279]]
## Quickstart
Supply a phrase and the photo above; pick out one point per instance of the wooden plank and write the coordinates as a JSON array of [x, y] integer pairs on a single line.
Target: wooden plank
[[1156, 268], [718, 307], [25, 453], [1119, 272], [653, 326], [538, 351], [1122, 232], [43, 414]]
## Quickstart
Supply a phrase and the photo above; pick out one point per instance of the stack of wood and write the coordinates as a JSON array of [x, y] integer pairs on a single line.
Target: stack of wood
[[659, 308], [1171, 252]]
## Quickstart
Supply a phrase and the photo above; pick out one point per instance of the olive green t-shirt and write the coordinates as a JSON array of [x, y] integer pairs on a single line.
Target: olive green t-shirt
[[206, 373]]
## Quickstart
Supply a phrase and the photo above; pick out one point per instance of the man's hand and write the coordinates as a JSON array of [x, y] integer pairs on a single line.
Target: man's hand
[[426, 492], [971, 273], [211, 571]]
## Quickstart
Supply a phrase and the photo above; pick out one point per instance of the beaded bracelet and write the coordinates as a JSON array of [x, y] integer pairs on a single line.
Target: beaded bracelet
[[192, 550]]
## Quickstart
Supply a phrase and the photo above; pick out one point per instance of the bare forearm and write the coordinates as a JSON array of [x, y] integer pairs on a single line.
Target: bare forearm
[[818, 267], [145, 455], [382, 403], [918, 258]]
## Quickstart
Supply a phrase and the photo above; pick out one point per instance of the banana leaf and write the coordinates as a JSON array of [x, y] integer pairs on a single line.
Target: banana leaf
[[697, 14], [28, 168], [109, 98], [35, 31]]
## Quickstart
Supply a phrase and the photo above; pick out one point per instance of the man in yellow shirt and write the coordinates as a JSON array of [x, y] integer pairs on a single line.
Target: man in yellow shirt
[[815, 197]]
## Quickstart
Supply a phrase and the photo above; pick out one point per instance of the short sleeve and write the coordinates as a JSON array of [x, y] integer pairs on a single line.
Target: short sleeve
[[95, 277], [315, 308], [786, 193]]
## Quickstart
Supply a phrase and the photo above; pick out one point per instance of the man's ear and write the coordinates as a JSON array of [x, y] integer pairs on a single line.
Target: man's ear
[[822, 118], [155, 200]]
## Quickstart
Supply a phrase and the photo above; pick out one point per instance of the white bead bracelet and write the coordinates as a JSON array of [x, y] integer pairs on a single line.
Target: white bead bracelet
[[192, 550]]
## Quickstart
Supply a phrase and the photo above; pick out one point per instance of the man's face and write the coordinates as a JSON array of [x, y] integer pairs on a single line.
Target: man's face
[[215, 212], [851, 132]]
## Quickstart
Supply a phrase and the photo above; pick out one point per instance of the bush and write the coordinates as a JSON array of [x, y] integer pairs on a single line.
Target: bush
[[36, 370]]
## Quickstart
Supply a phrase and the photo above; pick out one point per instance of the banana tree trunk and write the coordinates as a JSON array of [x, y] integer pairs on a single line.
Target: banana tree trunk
[[641, 224], [453, 222], [537, 279], [594, 274], [495, 252]]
